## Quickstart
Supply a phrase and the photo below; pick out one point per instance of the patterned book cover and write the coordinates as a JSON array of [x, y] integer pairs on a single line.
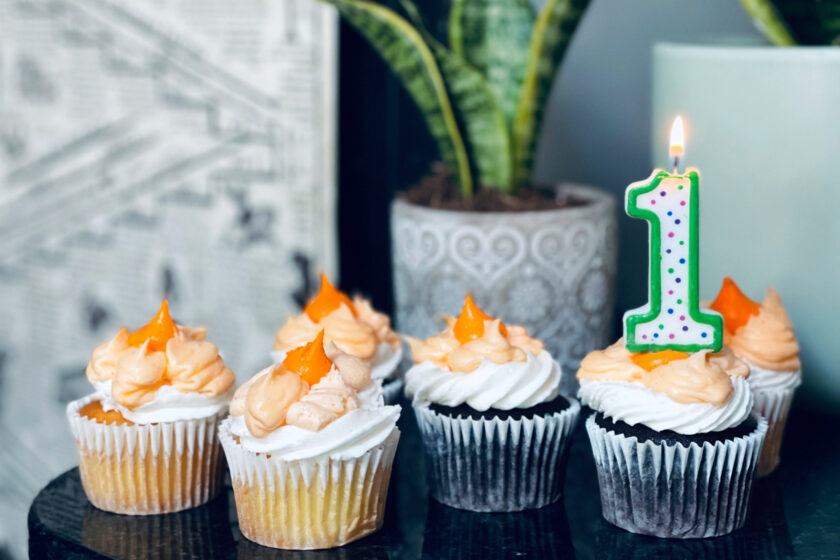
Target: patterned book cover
[[150, 148]]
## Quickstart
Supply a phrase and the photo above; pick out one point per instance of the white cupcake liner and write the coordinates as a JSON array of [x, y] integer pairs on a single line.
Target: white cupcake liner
[[308, 504], [773, 405], [672, 490], [143, 469], [496, 465]]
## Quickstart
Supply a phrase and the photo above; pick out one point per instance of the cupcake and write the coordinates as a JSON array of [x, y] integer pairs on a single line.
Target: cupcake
[[147, 436], [493, 424], [674, 440], [310, 446], [762, 336], [352, 325]]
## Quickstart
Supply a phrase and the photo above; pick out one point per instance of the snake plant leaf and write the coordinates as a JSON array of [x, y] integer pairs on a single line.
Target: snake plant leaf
[[767, 19], [486, 132], [493, 36], [411, 59], [553, 30], [811, 22]]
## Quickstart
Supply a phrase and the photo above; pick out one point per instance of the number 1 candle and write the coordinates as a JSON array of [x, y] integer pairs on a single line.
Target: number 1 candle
[[672, 318]]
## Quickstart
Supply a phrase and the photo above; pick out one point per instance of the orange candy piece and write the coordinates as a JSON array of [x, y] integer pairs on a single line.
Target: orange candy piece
[[309, 361], [158, 331], [735, 307], [328, 300], [649, 361], [470, 323]]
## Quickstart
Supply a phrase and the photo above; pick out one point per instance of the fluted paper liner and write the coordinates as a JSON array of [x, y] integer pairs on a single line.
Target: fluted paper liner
[[493, 464], [143, 469], [774, 406], [311, 503], [674, 491]]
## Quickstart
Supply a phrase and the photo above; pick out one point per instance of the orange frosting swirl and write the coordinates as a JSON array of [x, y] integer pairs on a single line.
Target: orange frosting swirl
[[353, 325], [759, 333], [466, 341], [693, 380], [269, 398], [684, 378], [280, 395], [614, 363], [767, 340], [492, 345], [340, 326], [140, 372], [435, 349], [171, 354]]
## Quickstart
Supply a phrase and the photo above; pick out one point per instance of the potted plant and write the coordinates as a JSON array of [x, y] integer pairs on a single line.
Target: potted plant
[[544, 258], [763, 120]]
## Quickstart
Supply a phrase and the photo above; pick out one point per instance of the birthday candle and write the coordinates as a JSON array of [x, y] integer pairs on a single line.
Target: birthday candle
[[672, 318]]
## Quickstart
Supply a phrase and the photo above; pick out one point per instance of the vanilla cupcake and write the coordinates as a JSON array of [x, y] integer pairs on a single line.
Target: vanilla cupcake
[[762, 336], [147, 438], [354, 326], [310, 445], [674, 441], [494, 426]]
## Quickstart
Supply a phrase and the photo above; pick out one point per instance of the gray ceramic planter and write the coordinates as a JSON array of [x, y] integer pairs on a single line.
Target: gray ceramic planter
[[552, 271]]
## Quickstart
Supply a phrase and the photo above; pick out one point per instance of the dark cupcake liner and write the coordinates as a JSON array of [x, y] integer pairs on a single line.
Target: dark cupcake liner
[[672, 490], [392, 391], [490, 464]]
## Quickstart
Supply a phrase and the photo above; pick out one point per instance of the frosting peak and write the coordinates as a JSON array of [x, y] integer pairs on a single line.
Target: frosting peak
[[157, 332], [767, 340], [328, 300], [491, 345], [734, 305], [309, 361], [759, 333], [467, 341], [157, 355], [309, 390], [471, 321], [354, 326]]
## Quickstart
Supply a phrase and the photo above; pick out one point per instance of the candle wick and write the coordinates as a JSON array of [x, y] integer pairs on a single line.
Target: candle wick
[[676, 164]]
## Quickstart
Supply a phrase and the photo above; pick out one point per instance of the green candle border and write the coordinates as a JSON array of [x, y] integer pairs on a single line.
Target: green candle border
[[715, 321]]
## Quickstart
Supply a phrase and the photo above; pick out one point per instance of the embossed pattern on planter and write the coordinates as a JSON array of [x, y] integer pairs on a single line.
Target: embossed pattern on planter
[[552, 271]]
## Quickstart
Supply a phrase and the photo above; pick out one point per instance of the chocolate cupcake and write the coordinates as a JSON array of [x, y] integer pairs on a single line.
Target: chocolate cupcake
[[675, 444], [494, 426]]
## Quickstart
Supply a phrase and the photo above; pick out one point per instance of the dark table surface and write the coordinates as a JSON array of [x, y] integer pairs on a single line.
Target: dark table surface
[[795, 512]]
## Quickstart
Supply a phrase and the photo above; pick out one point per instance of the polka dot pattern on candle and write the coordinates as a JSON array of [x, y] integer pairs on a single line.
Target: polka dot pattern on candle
[[674, 326]]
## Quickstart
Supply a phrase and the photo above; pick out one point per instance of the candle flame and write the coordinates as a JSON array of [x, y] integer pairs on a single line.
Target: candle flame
[[677, 147]]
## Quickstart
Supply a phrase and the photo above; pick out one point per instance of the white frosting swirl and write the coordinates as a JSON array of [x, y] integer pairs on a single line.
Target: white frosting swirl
[[768, 380], [491, 385], [351, 435], [168, 404], [633, 403], [382, 366]]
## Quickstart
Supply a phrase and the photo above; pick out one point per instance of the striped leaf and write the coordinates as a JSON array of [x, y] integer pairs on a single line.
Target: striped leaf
[[493, 36], [411, 59], [486, 132], [767, 20], [553, 30]]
